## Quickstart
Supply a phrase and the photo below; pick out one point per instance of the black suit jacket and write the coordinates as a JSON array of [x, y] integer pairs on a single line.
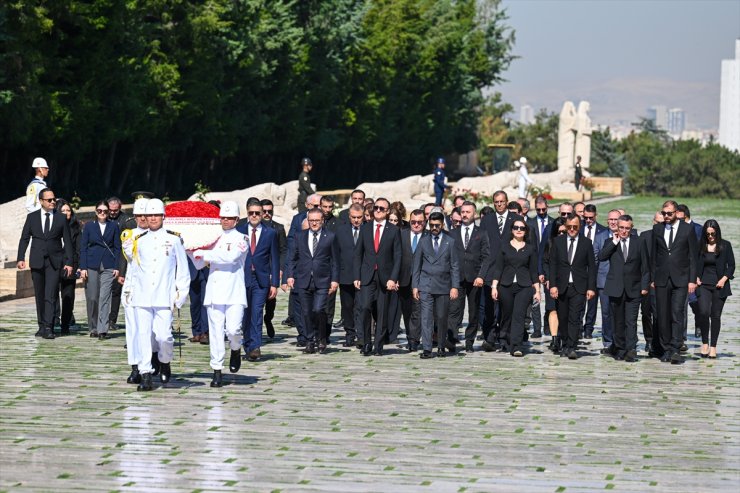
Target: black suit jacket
[[678, 264], [583, 267], [282, 240], [725, 267], [626, 277], [322, 266], [346, 253], [46, 245], [475, 261], [388, 258], [489, 224], [407, 256], [522, 264], [535, 237]]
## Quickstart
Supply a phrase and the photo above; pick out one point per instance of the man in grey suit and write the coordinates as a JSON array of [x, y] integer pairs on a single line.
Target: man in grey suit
[[435, 277]]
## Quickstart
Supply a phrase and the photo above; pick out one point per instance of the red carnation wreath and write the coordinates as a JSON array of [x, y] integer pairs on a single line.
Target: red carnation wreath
[[197, 222]]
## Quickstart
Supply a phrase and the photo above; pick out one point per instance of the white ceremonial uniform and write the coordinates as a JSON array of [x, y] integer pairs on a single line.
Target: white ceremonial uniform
[[524, 179], [128, 244], [226, 294], [32, 194], [163, 285]]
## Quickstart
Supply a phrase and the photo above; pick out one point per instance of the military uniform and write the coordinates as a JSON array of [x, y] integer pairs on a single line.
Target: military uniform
[[32, 194], [439, 185], [304, 190]]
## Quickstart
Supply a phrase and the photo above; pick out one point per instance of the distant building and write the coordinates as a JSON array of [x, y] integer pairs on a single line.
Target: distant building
[[676, 121], [659, 116], [729, 102], [526, 115]]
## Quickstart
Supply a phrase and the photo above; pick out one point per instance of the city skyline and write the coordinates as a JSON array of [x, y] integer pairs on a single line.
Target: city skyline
[[622, 57]]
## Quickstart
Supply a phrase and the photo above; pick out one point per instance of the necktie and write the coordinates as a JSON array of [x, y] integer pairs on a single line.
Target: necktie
[[670, 237], [414, 242], [376, 240], [542, 229], [436, 244], [624, 250], [588, 235], [47, 223], [253, 241], [570, 251], [354, 235], [500, 224], [467, 236], [315, 243]]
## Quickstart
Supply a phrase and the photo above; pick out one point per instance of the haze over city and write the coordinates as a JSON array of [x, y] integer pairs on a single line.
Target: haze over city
[[622, 56]]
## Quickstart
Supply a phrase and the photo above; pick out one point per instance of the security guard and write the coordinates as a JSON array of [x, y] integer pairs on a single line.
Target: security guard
[[439, 181], [304, 184], [37, 184], [162, 288], [226, 294]]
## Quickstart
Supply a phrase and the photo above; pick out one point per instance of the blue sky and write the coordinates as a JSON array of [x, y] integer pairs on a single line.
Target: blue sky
[[631, 53]]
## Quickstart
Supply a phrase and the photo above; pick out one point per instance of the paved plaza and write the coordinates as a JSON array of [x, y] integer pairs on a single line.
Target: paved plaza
[[341, 422]]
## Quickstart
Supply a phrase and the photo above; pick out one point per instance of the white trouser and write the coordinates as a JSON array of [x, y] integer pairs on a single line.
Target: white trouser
[[132, 351], [156, 321], [220, 317]]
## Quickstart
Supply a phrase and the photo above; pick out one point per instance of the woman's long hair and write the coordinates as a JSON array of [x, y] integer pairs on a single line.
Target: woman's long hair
[[711, 223], [554, 233]]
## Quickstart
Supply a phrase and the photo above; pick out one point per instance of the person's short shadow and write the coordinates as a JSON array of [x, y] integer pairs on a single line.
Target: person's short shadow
[[188, 380]]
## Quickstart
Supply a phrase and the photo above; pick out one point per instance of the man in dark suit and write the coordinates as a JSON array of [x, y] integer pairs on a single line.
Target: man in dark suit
[[410, 308], [356, 197], [572, 281], [434, 280], [684, 214], [313, 270], [673, 270], [51, 253], [602, 269], [473, 251], [498, 227], [627, 282], [330, 224], [647, 304], [591, 229], [267, 211], [261, 276], [537, 226], [377, 266], [347, 235]]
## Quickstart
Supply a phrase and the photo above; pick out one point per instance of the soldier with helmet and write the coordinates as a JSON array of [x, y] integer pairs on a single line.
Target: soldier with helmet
[[304, 184], [160, 254], [41, 171]]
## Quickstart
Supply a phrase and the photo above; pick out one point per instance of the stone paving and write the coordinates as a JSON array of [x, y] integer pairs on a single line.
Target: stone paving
[[481, 422]]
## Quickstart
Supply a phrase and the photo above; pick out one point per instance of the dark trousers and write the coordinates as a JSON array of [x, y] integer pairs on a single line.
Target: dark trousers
[[115, 303], [709, 310], [649, 320], [434, 312], [313, 304], [624, 311], [607, 329], [471, 294], [515, 301], [331, 303], [252, 321], [490, 315], [535, 315], [590, 315], [67, 291], [670, 301], [570, 321], [198, 313], [347, 301], [45, 284], [411, 312], [374, 292], [296, 313]]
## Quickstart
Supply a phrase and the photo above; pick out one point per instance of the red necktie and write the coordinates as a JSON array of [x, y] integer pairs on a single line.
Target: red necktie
[[253, 242], [376, 242]]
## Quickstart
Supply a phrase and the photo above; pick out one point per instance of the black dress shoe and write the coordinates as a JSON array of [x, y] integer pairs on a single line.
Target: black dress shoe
[[413, 346], [216, 381], [683, 348], [588, 334], [450, 346], [648, 348], [235, 361], [38, 333], [165, 372], [367, 350], [676, 358], [103, 336], [289, 322], [338, 324], [619, 356], [426, 354], [146, 382], [630, 356], [322, 348], [65, 331], [155, 364], [469, 346], [48, 334], [301, 344], [270, 329], [94, 333], [310, 348], [378, 351], [537, 334], [697, 332], [609, 350], [135, 376], [488, 347], [572, 354], [665, 357], [441, 353]]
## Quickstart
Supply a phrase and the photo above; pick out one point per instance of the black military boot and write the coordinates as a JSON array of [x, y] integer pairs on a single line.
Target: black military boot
[[135, 377], [155, 364], [216, 382], [146, 382], [165, 372]]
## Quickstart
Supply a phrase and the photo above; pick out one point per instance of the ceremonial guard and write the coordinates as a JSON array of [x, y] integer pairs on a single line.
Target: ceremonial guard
[[226, 295], [304, 184], [41, 171], [162, 288], [132, 269]]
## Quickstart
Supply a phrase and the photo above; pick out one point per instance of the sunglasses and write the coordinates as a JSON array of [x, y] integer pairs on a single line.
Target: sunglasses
[[711, 234], [519, 228], [267, 211], [254, 213], [589, 218], [668, 213], [625, 228], [565, 214], [101, 211], [544, 209], [53, 199], [435, 225], [416, 223], [379, 208], [572, 227]]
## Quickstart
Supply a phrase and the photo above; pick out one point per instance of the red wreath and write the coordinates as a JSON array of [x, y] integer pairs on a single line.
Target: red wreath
[[191, 208]]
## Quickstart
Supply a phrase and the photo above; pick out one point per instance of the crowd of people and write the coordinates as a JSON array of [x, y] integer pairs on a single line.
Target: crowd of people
[[387, 264]]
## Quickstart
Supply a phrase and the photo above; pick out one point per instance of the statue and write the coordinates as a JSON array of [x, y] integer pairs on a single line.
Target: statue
[[567, 129], [583, 135]]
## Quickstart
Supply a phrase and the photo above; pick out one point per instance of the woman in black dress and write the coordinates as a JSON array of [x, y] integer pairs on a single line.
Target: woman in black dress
[[715, 268], [67, 284], [515, 281]]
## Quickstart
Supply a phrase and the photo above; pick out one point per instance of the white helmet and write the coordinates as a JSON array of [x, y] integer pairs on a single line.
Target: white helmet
[[523, 160], [229, 208], [140, 206], [154, 206], [39, 162]]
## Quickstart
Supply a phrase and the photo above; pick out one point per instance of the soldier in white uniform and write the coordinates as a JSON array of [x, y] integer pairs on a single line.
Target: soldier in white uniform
[[162, 287], [128, 244], [226, 295], [38, 183]]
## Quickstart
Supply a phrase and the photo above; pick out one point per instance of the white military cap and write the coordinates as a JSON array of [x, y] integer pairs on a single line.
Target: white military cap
[[140, 206], [523, 160], [154, 206], [39, 162], [229, 208]]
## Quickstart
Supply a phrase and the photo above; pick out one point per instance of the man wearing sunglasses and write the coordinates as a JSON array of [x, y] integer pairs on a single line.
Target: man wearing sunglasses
[[673, 270], [51, 253], [409, 307], [537, 226], [268, 208]]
